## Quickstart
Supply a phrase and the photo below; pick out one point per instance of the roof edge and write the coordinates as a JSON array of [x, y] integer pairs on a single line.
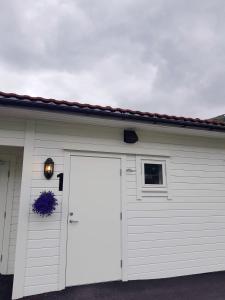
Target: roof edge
[[11, 99]]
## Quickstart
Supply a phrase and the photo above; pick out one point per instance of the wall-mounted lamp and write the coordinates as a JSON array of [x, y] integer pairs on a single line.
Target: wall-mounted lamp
[[130, 136], [48, 168]]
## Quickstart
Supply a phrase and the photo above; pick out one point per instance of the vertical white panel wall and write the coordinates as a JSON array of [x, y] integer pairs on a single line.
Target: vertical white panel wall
[[12, 134], [15, 209], [187, 154], [15, 177]]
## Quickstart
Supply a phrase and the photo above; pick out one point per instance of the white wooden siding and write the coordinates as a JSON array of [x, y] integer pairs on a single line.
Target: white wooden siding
[[42, 265], [17, 153], [165, 237], [183, 235], [11, 132]]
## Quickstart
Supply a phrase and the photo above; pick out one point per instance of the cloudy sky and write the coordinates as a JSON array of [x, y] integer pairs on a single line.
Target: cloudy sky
[[165, 56]]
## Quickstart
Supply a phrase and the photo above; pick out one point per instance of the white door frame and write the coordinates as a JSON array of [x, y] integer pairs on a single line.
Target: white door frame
[[9, 201], [65, 211]]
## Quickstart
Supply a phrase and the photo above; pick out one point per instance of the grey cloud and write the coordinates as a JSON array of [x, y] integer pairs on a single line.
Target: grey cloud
[[161, 56]]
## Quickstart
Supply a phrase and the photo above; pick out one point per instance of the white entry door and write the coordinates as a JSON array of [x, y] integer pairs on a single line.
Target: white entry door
[[94, 231], [4, 169]]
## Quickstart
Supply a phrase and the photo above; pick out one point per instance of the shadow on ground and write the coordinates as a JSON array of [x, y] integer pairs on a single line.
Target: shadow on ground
[[198, 287]]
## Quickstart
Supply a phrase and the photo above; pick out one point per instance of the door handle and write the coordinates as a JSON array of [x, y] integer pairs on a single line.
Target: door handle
[[73, 221]]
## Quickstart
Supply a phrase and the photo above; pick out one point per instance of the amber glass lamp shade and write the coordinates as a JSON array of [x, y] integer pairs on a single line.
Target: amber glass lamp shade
[[48, 168]]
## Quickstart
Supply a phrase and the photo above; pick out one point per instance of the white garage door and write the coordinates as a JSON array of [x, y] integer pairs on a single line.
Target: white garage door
[[94, 235]]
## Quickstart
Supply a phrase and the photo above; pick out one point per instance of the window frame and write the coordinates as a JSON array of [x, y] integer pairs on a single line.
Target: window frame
[[164, 177]]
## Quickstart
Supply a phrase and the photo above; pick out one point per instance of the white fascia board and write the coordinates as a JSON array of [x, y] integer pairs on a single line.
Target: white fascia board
[[35, 114]]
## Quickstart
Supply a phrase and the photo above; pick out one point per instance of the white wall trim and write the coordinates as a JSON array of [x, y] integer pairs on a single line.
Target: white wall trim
[[124, 235], [124, 149], [15, 142], [154, 191], [9, 200], [50, 116], [64, 222], [169, 179], [22, 231], [138, 178]]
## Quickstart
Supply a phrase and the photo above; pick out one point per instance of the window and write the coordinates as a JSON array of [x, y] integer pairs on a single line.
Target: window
[[153, 173]]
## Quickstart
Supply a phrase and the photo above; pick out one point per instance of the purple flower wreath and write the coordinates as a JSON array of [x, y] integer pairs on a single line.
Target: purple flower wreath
[[45, 204]]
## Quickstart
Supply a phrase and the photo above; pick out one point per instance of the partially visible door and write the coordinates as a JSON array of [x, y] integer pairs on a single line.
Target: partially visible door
[[94, 234], [4, 170]]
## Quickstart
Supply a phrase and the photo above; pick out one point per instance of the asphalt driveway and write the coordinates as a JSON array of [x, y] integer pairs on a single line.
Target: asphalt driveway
[[199, 287]]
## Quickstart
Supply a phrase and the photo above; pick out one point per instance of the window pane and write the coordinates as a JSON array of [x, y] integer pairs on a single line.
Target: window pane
[[153, 174]]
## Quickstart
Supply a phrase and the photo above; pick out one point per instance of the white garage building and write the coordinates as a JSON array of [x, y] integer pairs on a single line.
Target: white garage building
[[128, 209]]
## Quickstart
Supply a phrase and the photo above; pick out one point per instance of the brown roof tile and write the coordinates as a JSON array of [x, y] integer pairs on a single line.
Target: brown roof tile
[[12, 99]]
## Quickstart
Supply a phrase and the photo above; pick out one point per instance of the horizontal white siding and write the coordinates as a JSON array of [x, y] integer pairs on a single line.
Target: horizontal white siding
[[43, 233], [184, 234], [165, 237], [12, 132]]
